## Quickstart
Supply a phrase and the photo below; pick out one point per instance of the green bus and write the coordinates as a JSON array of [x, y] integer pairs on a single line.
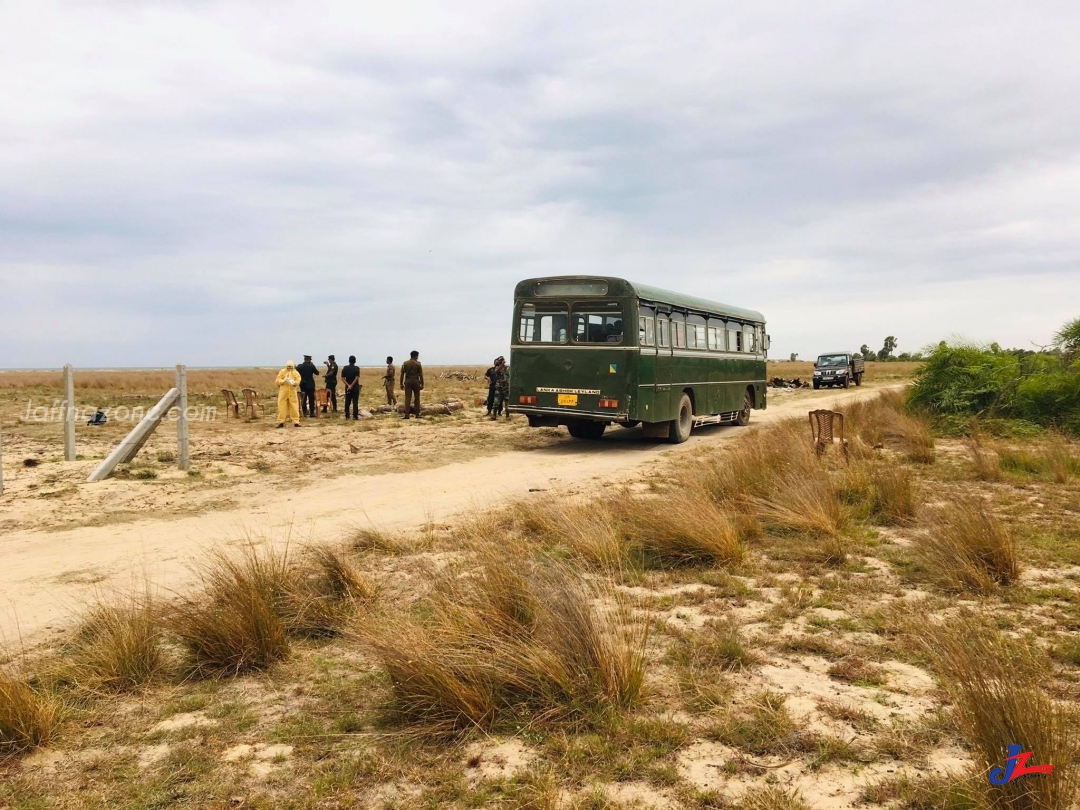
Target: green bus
[[576, 359]]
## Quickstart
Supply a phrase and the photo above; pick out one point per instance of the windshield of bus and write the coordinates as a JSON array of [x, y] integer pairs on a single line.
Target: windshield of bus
[[598, 327], [543, 323], [832, 361]]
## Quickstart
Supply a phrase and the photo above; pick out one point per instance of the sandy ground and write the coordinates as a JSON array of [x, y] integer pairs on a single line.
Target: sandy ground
[[60, 552]]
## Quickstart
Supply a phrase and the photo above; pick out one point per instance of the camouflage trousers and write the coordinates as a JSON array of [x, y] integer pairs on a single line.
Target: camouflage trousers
[[501, 401]]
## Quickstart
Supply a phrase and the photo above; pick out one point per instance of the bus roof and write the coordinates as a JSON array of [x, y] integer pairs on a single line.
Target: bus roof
[[692, 302], [653, 294]]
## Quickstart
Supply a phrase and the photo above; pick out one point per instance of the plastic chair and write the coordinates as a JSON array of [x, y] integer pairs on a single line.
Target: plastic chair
[[827, 428], [322, 401], [232, 407], [251, 403]]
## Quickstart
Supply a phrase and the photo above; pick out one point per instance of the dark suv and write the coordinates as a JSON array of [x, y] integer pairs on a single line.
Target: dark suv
[[838, 368]]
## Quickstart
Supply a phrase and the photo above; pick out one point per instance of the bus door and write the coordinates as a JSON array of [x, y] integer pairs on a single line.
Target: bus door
[[662, 376], [646, 365]]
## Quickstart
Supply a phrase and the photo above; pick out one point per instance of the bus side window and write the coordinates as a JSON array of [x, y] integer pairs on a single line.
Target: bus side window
[[678, 331], [663, 333], [717, 338], [646, 335], [733, 332], [748, 339]]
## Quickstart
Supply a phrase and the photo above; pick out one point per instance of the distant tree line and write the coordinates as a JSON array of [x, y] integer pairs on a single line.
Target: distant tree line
[[886, 352]]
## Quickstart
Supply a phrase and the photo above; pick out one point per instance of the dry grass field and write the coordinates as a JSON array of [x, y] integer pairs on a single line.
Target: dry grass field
[[743, 625]]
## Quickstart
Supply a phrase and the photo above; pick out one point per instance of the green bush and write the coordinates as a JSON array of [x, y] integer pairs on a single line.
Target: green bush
[[965, 380]]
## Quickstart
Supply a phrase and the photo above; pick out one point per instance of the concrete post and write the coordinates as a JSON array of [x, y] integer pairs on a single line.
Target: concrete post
[[183, 450], [133, 442], [69, 413]]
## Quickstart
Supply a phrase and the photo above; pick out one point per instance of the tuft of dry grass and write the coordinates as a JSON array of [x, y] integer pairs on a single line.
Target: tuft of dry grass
[[996, 684], [233, 624], [117, 647], [968, 548], [772, 797], [590, 529], [884, 421], [1059, 459], [512, 636], [986, 463], [318, 597], [761, 727], [27, 717], [857, 670], [683, 526]]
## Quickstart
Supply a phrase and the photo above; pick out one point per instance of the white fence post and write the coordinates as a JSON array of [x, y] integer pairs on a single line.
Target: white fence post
[[69, 413], [183, 450]]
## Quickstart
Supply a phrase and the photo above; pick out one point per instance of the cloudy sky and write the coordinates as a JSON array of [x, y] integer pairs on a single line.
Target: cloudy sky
[[239, 183]]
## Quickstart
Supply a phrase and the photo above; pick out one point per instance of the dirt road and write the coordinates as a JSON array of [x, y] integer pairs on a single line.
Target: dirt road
[[47, 577]]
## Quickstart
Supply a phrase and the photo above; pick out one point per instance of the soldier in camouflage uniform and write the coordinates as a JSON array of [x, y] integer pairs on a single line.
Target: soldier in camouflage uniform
[[502, 389]]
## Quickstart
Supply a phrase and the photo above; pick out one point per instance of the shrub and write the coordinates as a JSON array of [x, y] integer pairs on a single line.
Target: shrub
[[995, 684], [512, 636], [964, 378], [968, 548], [27, 718], [233, 624]]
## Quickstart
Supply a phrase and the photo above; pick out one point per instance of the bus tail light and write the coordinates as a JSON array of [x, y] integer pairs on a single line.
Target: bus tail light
[[609, 403], [526, 400]]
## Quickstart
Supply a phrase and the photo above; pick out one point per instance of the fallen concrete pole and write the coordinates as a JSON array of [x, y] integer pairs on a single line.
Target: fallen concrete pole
[[133, 442]]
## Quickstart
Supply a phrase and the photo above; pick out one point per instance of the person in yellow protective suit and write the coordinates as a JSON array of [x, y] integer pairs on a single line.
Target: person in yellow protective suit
[[288, 403]]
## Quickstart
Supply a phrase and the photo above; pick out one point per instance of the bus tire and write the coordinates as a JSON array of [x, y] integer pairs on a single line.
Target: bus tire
[[592, 430], [574, 429], [743, 419], [681, 425]]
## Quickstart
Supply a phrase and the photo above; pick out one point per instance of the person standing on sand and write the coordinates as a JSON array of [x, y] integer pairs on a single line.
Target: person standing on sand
[[412, 380], [331, 381], [350, 375], [307, 371], [491, 375], [502, 389], [288, 407], [388, 382]]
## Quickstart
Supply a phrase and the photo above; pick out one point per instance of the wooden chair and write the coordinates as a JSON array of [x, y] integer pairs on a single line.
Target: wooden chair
[[322, 401], [251, 403], [827, 428], [232, 407]]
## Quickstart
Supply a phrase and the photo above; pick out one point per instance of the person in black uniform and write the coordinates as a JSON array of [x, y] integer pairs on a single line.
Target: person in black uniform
[[492, 376], [331, 381], [307, 371], [350, 375]]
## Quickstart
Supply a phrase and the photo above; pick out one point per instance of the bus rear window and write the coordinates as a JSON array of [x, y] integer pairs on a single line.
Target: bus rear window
[[606, 327], [545, 323]]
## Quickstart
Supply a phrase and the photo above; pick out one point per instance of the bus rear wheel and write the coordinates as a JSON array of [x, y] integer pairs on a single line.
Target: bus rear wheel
[[743, 419], [680, 428]]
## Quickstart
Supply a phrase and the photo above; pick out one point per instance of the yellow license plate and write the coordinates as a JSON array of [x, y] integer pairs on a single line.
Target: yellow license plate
[[568, 399]]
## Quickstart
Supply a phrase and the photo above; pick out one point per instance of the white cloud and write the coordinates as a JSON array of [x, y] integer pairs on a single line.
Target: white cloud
[[221, 182]]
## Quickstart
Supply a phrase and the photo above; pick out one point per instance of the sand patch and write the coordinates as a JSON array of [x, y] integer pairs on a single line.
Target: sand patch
[[184, 720], [490, 759]]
